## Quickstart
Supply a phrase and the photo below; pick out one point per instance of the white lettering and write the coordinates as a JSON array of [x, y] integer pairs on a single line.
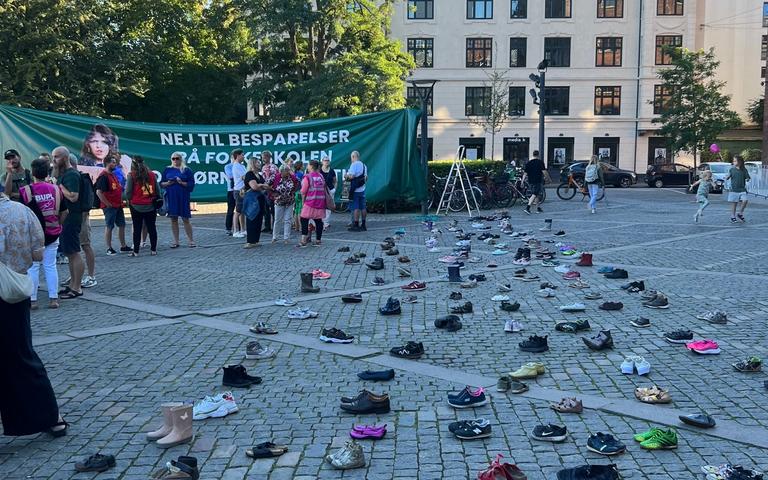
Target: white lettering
[[280, 139], [344, 136], [222, 158], [333, 136], [322, 137], [234, 139], [193, 158], [166, 139], [266, 138], [293, 138], [209, 156]]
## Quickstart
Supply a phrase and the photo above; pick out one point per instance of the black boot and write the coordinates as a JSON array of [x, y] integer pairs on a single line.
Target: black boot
[[519, 254], [376, 264], [306, 284], [453, 273], [236, 376]]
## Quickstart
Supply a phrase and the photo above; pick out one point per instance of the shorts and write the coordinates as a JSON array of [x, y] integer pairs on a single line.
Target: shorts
[[736, 197], [358, 201], [238, 202], [537, 189], [69, 240], [85, 230], [114, 216]]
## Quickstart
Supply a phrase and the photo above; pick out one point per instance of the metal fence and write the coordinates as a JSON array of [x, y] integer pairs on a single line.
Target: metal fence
[[758, 183]]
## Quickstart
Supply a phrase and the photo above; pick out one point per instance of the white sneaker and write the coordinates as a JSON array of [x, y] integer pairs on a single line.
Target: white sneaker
[[500, 298], [240, 234], [285, 302], [254, 351], [574, 307], [594, 211], [513, 326], [88, 281], [302, 313], [563, 268], [215, 406], [546, 293]]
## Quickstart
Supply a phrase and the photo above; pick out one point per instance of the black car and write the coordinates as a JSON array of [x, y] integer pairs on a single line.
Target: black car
[[613, 175], [669, 174]]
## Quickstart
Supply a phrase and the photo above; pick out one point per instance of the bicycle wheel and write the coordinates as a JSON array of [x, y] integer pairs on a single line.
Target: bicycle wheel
[[503, 196], [566, 191], [342, 206], [458, 203], [601, 194], [543, 195]]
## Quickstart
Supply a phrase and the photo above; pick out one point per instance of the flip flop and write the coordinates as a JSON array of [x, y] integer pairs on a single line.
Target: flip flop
[[174, 245], [266, 450], [192, 244], [70, 294]]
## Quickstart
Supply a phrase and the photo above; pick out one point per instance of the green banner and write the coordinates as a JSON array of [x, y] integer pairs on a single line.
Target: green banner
[[386, 142]]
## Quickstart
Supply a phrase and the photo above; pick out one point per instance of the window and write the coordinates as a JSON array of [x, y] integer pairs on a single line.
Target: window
[[557, 51], [476, 101], [607, 100], [421, 9], [764, 48], [413, 100], [662, 95], [517, 101], [517, 50], [557, 8], [608, 52], [765, 14], [518, 8], [610, 8], [422, 51], [663, 44], [479, 9], [669, 7], [556, 100], [479, 52]]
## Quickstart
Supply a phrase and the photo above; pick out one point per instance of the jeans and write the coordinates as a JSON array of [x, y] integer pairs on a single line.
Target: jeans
[[230, 210], [318, 227], [594, 188], [140, 219], [283, 215], [51, 274]]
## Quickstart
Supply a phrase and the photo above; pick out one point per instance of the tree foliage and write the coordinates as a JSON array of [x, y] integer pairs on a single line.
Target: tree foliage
[[498, 106], [697, 112], [325, 58], [755, 110]]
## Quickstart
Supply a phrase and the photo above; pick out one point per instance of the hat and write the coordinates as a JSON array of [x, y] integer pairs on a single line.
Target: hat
[[11, 153]]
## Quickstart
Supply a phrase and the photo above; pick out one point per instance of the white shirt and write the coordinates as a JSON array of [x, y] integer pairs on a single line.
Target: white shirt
[[356, 169], [238, 172]]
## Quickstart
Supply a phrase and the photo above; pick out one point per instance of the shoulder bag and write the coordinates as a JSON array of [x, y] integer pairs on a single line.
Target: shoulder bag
[[14, 287]]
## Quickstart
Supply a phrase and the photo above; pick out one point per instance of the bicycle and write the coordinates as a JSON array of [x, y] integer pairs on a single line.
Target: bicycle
[[458, 202], [342, 206], [496, 191], [567, 190], [521, 189]]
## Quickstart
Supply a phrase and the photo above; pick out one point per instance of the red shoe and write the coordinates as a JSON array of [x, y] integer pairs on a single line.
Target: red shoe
[[585, 260], [572, 275], [415, 286]]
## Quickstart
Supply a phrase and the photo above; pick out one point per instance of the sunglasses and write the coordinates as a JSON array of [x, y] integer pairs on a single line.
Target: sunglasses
[[175, 158]]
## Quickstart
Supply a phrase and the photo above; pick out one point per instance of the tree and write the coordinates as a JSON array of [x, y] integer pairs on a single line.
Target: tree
[[325, 58], [696, 112], [497, 108], [755, 110]]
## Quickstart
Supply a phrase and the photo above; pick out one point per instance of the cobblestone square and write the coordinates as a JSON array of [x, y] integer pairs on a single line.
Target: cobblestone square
[[158, 329]]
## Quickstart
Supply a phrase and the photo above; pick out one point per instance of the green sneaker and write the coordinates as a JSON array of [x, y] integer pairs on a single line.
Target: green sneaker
[[641, 437], [663, 440]]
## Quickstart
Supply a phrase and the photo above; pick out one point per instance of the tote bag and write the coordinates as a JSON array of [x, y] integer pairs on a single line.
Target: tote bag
[[14, 287], [329, 203]]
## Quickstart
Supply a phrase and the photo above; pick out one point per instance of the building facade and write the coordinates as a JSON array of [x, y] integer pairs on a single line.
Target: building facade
[[602, 86]]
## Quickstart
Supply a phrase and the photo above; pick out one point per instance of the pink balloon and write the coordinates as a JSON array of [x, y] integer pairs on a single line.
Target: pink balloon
[[714, 148]]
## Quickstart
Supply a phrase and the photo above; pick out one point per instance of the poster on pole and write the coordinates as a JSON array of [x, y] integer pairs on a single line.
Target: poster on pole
[[386, 142]]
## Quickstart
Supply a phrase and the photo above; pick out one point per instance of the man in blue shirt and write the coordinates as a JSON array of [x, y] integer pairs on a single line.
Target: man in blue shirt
[[357, 176]]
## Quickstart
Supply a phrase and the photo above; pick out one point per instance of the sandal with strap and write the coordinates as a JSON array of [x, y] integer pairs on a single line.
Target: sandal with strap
[[69, 293], [60, 432], [266, 450], [174, 245]]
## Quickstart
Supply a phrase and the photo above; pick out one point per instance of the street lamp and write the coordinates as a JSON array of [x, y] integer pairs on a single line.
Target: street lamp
[[423, 89], [540, 82]]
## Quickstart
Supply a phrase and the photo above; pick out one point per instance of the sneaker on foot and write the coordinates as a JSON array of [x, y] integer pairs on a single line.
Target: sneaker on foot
[[111, 251], [88, 282]]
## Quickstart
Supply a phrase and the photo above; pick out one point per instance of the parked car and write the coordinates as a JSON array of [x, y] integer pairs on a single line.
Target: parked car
[[613, 175], [719, 172], [668, 174]]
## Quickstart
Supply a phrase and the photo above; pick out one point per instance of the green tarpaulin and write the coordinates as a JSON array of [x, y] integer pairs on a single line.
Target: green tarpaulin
[[386, 142]]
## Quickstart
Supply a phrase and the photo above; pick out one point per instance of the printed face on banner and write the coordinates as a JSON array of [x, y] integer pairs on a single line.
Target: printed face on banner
[[604, 154], [559, 155]]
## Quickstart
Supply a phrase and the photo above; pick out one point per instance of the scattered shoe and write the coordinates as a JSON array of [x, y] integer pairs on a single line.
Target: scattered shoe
[[414, 286], [96, 462], [653, 395], [452, 323], [254, 351], [403, 272], [617, 273], [378, 281], [350, 456], [473, 429], [468, 398], [236, 376], [560, 233], [497, 470], [601, 341], [411, 350], [698, 420], [611, 306], [352, 298], [593, 295], [392, 307], [306, 283], [574, 307], [377, 376], [334, 335], [546, 293], [215, 406], [266, 450], [510, 307], [364, 432], [376, 264], [302, 313], [410, 299], [184, 467], [461, 309], [512, 326], [534, 344], [679, 336], [549, 433], [285, 302], [343, 249], [571, 275], [658, 439], [605, 444], [704, 347], [568, 405], [470, 284], [261, 328], [573, 327], [634, 287], [455, 296], [717, 317], [660, 301], [640, 322], [478, 277], [585, 260], [403, 259], [751, 365], [367, 402], [318, 274], [590, 472], [529, 370], [353, 260], [500, 298]]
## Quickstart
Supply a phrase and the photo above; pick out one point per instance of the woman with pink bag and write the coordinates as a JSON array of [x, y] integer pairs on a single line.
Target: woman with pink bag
[[313, 192]]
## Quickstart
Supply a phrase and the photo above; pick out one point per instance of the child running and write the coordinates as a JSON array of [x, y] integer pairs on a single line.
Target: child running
[[702, 194]]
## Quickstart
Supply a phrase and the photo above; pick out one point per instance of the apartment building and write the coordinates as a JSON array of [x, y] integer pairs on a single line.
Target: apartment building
[[602, 86]]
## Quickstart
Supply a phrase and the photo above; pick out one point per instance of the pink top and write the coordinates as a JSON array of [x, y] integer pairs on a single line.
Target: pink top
[[48, 198], [313, 191]]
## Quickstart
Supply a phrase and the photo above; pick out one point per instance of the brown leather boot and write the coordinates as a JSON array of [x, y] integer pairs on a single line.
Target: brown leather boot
[[167, 426], [182, 427]]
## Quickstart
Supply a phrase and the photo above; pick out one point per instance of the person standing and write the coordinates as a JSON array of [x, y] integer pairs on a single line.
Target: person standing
[[739, 177], [45, 200], [141, 190], [269, 172], [254, 202], [230, 194], [705, 185], [329, 175], [284, 188], [357, 176], [15, 175], [313, 194], [86, 202], [178, 182], [69, 240], [238, 176], [27, 404], [593, 176], [110, 193], [534, 173]]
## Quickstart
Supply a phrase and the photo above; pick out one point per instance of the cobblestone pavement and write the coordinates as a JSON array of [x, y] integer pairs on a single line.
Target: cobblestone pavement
[[157, 329]]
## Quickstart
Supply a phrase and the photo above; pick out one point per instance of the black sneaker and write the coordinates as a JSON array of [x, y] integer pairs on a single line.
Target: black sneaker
[[590, 472], [352, 298], [679, 336], [549, 433], [378, 281], [411, 350], [605, 444], [376, 264], [611, 306], [353, 260], [509, 307], [660, 301], [110, 252], [534, 344], [539, 210], [474, 429], [455, 296], [467, 398], [573, 327], [334, 335], [442, 322], [478, 277], [125, 249], [634, 287], [617, 273], [391, 308], [601, 341], [560, 233], [368, 403], [96, 463], [640, 322], [377, 376], [466, 308], [343, 249], [521, 272]]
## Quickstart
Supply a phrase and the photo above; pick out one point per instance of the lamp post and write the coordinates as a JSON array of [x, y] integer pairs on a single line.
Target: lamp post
[[423, 89], [540, 81]]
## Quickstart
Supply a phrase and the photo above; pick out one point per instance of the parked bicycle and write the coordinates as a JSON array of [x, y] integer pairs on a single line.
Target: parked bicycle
[[567, 190], [496, 190], [458, 202], [521, 189]]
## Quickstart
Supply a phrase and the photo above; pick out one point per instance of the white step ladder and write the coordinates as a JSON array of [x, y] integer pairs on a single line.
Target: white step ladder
[[458, 174]]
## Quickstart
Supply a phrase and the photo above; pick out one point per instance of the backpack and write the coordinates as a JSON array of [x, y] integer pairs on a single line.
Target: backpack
[[87, 199], [591, 174]]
